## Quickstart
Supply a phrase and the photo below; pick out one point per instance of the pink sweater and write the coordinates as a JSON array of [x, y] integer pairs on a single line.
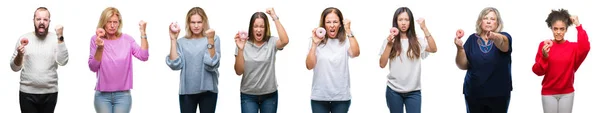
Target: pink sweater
[[114, 72]]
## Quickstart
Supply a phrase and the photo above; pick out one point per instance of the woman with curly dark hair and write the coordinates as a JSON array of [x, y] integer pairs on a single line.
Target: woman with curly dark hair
[[559, 65]]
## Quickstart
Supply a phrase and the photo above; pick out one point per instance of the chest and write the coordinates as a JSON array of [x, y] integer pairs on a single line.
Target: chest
[[117, 50], [40, 50], [332, 53], [484, 53], [263, 54], [562, 54]]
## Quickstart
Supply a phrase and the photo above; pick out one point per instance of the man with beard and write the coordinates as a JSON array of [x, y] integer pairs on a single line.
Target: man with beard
[[37, 56]]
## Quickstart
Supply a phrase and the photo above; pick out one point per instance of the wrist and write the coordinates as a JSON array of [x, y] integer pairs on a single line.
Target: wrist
[[275, 17]]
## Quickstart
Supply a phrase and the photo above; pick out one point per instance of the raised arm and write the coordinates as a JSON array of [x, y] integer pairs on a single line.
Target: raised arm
[[175, 59], [143, 36], [354, 48], [212, 58], [583, 43], [311, 57], [541, 60], [501, 41], [96, 51], [386, 49], [431, 46], [61, 53], [461, 57], [239, 54], [138, 52], [16, 61], [283, 37]]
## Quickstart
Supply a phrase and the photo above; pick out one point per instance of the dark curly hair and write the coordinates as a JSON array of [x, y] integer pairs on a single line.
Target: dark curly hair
[[560, 14]]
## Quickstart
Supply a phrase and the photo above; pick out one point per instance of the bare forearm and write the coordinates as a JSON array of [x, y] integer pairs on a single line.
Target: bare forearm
[[431, 46], [502, 43], [283, 37], [461, 59], [98, 54], [354, 47], [383, 60], [211, 51], [173, 54], [144, 43], [239, 62], [311, 58]]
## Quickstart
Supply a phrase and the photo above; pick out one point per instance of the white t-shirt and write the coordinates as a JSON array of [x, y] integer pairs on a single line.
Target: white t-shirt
[[405, 73], [331, 79]]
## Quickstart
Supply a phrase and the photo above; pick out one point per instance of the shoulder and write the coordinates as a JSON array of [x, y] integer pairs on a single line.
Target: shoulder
[[126, 36], [472, 37]]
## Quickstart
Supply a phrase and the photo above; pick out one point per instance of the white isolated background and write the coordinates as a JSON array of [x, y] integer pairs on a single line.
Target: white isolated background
[[156, 85]]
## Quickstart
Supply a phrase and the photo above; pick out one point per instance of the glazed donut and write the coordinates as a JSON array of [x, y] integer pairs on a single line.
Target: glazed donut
[[243, 34], [320, 32], [24, 41], [394, 31]]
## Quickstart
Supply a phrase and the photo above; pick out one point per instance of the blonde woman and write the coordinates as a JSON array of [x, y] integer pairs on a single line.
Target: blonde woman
[[197, 55], [486, 55], [111, 54]]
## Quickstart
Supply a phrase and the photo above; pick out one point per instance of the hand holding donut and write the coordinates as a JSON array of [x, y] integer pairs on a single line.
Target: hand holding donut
[[100, 33], [546, 49], [174, 30], [318, 35]]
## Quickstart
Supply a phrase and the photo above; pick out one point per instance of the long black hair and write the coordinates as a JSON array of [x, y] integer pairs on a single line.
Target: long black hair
[[414, 49]]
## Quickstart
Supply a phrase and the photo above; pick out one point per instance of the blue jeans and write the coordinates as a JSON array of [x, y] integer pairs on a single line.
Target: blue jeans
[[487, 104], [266, 103], [206, 102], [330, 106], [396, 101], [112, 102]]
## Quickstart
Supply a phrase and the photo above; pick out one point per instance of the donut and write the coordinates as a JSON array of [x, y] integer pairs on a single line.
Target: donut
[[394, 31], [24, 41], [174, 27], [320, 32], [243, 34]]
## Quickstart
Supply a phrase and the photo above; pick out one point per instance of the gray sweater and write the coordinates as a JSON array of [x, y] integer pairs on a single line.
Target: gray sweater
[[199, 72]]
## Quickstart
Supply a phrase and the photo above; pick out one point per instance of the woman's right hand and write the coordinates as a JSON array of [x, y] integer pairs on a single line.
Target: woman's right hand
[[457, 40], [100, 33], [391, 38], [239, 41], [174, 30], [316, 40], [546, 48]]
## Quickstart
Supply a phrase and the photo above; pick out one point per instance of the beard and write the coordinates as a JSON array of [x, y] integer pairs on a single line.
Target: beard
[[39, 33]]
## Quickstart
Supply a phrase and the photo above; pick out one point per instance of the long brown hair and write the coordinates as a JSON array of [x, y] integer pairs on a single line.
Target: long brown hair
[[341, 35], [267, 31], [414, 49]]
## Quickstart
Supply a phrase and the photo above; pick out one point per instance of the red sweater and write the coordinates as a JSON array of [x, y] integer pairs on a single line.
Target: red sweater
[[563, 61]]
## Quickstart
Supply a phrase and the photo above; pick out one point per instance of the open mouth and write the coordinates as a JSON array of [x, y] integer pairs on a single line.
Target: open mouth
[[41, 29], [259, 35], [332, 32]]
